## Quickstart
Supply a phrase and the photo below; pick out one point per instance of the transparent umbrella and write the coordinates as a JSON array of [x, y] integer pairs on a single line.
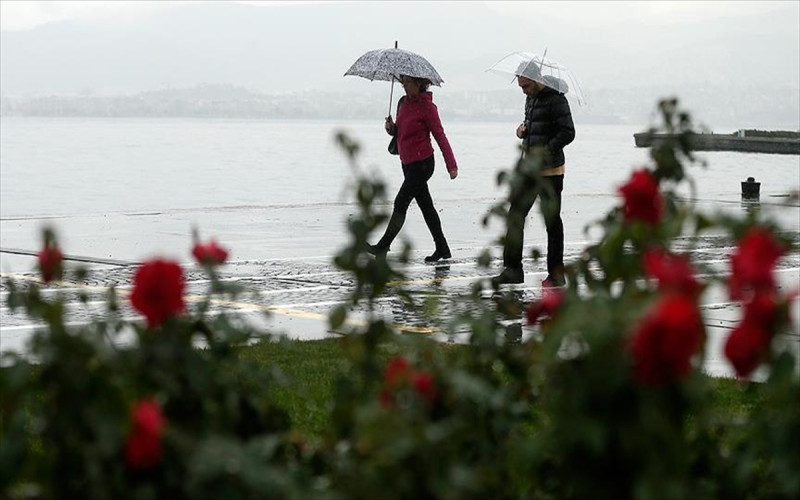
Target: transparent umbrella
[[542, 70], [389, 64]]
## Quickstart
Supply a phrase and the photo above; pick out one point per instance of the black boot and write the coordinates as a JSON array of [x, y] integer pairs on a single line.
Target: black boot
[[377, 250], [439, 254], [442, 248], [510, 275]]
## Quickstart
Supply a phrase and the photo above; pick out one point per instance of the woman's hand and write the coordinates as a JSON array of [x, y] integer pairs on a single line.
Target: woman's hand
[[389, 125], [521, 131]]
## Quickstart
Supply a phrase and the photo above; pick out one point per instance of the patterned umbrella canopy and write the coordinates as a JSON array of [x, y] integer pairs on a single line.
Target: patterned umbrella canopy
[[389, 64]]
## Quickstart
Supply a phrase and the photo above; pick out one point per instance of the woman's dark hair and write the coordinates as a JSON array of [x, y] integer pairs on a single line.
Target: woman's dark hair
[[423, 83]]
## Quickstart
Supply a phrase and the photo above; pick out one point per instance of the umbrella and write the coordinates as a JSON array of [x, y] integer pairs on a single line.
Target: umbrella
[[542, 70], [389, 64]]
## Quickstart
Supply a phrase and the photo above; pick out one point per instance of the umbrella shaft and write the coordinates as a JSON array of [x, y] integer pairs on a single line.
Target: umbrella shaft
[[391, 92]]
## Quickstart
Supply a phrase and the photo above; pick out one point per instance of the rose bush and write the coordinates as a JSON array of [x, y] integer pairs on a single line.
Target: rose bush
[[604, 399]]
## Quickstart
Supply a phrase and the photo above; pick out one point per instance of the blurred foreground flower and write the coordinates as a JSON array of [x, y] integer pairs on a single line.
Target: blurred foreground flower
[[399, 375], [643, 201], [664, 343], [753, 261], [424, 385], [551, 301], [749, 343], [673, 272], [209, 254], [396, 371], [158, 291], [50, 262], [143, 446]]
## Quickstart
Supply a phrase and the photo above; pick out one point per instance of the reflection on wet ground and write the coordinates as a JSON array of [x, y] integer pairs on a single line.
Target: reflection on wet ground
[[298, 293]]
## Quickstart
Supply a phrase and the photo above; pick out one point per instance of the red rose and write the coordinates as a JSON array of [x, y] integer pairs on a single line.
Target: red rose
[[400, 376], [396, 371], [753, 261], [158, 291], [550, 303], [424, 385], [143, 447], [386, 399], [673, 272], [745, 348], [209, 254], [748, 344], [642, 199], [666, 340], [50, 263]]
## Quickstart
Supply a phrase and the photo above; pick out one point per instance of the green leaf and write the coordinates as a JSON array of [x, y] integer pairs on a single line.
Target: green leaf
[[337, 317]]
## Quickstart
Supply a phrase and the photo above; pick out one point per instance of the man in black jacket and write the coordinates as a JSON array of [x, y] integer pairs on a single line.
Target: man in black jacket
[[547, 129]]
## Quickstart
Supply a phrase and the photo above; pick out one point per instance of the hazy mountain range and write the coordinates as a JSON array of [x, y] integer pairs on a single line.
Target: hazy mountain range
[[305, 49]]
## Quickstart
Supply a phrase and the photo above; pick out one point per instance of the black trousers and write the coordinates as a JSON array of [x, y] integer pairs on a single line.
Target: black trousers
[[415, 187], [548, 189]]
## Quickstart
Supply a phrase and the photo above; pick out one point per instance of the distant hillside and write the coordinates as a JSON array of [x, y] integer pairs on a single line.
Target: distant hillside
[[710, 106]]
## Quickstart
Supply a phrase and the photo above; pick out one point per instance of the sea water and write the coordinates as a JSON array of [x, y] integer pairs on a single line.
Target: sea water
[[73, 166]]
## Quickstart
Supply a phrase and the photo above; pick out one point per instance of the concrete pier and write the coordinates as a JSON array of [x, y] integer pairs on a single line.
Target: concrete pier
[[726, 142]]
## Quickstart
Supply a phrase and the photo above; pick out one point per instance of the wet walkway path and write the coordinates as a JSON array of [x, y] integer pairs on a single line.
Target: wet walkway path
[[283, 256], [298, 293]]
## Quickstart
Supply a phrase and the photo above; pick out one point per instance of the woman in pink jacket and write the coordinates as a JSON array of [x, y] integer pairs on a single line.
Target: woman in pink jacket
[[417, 120]]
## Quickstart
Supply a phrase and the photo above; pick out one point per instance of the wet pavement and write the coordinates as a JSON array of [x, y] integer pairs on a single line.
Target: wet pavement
[[283, 257]]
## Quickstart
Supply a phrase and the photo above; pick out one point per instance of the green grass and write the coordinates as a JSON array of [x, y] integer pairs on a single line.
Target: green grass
[[312, 367], [735, 397]]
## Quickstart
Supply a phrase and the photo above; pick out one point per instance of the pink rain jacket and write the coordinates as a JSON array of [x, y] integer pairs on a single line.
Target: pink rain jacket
[[417, 119]]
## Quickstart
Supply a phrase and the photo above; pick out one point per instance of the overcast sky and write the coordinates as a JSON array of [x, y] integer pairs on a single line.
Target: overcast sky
[[22, 15], [123, 47]]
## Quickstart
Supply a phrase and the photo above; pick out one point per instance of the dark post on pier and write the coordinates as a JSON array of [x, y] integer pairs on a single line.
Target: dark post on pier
[[750, 189]]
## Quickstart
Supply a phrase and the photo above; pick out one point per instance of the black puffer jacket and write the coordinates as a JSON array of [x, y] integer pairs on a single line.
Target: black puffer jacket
[[549, 122]]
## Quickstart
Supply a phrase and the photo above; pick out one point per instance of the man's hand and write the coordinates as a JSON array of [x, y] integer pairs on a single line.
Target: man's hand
[[453, 173], [521, 131]]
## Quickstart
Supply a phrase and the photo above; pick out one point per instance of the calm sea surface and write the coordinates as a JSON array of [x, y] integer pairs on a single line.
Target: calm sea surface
[[76, 166]]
